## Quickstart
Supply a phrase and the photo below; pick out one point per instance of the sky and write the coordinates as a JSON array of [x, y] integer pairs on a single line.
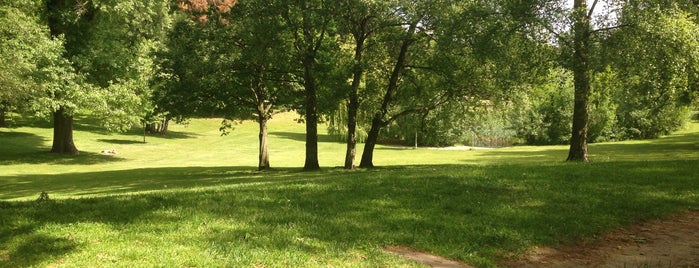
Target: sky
[[600, 8]]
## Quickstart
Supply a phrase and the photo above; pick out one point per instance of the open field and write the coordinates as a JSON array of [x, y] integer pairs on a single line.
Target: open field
[[194, 199]]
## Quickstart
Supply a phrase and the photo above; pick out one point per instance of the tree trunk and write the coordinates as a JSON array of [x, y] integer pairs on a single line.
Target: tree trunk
[[151, 128], [264, 152], [158, 128], [377, 123], [353, 105], [371, 139], [63, 133], [311, 114], [581, 77], [164, 126], [352, 108], [3, 122]]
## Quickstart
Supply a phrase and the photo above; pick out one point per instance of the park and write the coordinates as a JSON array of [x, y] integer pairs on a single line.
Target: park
[[349, 133], [195, 198]]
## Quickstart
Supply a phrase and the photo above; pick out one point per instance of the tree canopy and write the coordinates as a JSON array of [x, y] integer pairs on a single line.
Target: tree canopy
[[408, 71]]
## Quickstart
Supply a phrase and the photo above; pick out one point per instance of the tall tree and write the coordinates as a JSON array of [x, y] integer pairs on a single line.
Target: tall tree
[[62, 115], [236, 64], [379, 120], [438, 52], [359, 20], [108, 45], [654, 60], [624, 38], [581, 78], [309, 22]]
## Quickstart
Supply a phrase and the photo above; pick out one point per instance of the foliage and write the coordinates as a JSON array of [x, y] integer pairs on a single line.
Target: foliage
[[110, 45], [337, 125], [653, 62], [32, 67], [543, 115]]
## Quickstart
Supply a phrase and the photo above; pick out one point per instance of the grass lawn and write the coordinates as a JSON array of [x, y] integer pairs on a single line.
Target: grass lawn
[[194, 199]]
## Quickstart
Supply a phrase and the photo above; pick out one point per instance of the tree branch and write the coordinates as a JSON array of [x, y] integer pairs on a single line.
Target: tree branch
[[611, 28], [592, 9]]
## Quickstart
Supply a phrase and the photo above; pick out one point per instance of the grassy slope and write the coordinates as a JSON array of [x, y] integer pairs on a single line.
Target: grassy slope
[[194, 199]]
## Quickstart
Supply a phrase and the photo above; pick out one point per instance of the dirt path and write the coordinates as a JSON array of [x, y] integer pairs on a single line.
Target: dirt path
[[672, 242], [426, 258]]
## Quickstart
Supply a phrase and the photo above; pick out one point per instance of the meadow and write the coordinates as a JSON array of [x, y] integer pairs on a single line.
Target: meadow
[[193, 198]]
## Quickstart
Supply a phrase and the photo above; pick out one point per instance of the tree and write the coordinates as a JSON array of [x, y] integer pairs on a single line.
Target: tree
[[443, 52], [407, 20], [308, 21], [622, 39], [108, 45], [654, 60], [359, 20], [235, 64], [581, 80]]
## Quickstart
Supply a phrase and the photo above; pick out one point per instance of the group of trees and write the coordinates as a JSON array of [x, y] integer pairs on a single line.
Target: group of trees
[[544, 71]]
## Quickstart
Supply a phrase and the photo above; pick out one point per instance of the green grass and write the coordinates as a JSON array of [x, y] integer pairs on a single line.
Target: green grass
[[194, 199]]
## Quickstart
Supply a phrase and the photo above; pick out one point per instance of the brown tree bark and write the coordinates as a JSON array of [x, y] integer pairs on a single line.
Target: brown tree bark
[[352, 109], [63, 133], [262, 120], [581, 77], [3, 121], [311, 102], [158, 128], [360, 35], [370, 143], [377, 122]]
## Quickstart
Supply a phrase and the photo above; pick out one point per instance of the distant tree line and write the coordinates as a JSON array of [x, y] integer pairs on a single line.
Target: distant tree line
[[484, 73]]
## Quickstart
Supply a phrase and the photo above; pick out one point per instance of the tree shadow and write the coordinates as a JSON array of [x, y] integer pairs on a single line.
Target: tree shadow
[[46, 157], [23, 244], [170, 135], [136, 180], [483, 208], [14, 142], [462, 212], [93, 125], [302, 136], [120, 142], [31, 121], [35, 248], [677, 146]]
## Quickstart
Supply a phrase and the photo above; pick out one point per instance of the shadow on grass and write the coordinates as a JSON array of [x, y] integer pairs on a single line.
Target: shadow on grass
[[681, 145], [678, 146], [134, 180], [22, 244], [120, 142], [31, 121], [12, 142], [302, 136], [46, 157], [469, 213], [28, 148]]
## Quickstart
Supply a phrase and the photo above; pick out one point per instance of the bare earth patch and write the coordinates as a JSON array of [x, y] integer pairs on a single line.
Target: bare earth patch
[[425, 258], [672, 242]]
